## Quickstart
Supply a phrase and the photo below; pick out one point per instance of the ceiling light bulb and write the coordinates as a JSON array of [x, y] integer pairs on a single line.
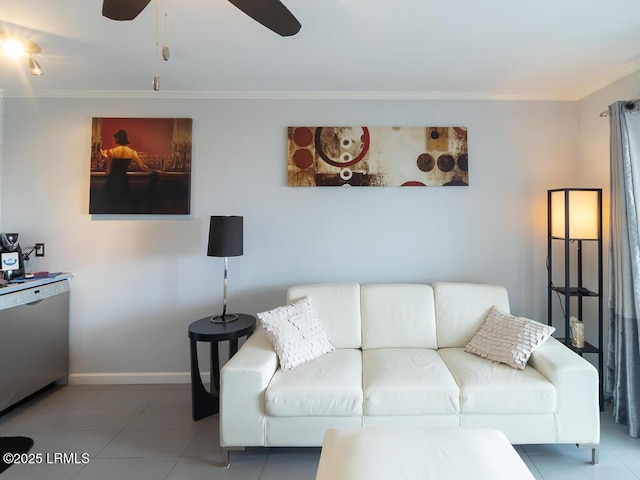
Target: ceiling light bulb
[[13, 48], [34, 66]]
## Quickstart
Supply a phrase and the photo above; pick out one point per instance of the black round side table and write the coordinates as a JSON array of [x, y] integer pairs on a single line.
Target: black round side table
[[203, 402]]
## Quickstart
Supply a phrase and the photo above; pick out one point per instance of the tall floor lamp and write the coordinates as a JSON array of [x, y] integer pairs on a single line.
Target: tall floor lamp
[[225, 240]]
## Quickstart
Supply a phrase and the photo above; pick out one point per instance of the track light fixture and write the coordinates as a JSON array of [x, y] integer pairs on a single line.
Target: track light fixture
[[16, 49], [34, 67]]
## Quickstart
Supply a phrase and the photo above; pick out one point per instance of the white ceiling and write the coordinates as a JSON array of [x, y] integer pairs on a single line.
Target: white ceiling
[[534, 49]]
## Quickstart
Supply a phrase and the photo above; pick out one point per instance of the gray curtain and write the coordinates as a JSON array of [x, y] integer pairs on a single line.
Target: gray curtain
[[622, 379]]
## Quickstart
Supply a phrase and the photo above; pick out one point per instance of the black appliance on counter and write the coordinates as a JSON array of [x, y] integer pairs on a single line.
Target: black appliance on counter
[[11, 257]]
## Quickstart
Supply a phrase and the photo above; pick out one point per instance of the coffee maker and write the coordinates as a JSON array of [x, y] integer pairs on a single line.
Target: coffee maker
[[11, 258]]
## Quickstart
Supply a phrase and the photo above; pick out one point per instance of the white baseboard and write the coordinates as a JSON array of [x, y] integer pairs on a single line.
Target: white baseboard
[[126, 378]]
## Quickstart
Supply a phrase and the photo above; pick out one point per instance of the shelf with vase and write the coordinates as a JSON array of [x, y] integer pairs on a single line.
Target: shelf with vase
[[574, 217]]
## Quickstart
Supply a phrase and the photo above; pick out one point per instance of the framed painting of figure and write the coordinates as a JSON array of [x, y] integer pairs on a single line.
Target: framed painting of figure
[[140, 166]]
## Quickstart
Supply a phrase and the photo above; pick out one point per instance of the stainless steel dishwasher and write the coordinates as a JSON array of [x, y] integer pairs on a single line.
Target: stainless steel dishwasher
[[34, 339]]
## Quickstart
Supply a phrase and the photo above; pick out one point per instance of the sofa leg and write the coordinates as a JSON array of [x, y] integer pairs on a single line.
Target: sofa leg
[[595, 451], [225, 459]]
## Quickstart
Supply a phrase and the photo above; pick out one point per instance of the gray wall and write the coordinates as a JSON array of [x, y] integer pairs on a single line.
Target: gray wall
[[138, 282]]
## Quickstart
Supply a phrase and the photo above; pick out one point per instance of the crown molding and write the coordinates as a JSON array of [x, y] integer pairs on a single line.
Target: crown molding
[[289, 95], [611, 79]]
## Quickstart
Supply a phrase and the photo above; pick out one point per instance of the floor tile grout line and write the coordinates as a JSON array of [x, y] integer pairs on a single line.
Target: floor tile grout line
[[175, 464], [535, 467], [264, 465], [622, 463], [135, 418]]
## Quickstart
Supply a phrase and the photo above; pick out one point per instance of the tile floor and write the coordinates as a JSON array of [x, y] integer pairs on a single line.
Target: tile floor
[[145, 432]]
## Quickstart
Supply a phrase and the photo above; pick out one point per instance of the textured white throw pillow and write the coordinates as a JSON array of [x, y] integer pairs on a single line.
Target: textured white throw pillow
[[296, 333], [508, 339]]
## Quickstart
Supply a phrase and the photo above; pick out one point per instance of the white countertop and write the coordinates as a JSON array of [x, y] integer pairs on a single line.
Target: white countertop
[[34, 282]]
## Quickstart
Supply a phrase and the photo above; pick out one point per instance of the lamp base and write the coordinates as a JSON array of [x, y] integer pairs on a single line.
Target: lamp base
[[225, 318]]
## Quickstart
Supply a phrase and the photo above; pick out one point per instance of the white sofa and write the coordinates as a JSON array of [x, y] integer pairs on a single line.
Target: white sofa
[[399, 360]]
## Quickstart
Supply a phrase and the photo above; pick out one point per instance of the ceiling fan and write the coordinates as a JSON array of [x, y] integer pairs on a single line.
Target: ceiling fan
[[270, 13]]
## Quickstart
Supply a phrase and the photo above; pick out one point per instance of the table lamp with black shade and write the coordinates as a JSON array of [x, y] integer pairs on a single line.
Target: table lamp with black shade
[[225, 240]]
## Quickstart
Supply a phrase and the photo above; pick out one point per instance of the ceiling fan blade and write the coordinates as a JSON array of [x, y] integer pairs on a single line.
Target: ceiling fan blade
[[270, 13], [123, 9]]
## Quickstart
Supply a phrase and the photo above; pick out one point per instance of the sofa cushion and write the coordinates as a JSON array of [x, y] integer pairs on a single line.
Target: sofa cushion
[[489, 387], [329, 386], [462, 307], [508, 339], [295, 332], [338, 307], [398, 315], [407, 381]]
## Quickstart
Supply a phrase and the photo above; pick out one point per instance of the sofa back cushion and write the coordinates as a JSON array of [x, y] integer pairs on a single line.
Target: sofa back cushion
[[338, 309], [398, 316], [461, 308]]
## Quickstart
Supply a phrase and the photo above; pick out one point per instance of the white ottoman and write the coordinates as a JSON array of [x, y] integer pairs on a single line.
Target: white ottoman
[[419, 453]]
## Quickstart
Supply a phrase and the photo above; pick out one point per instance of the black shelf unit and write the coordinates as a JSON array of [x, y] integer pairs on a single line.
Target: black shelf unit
[[573, 271]]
